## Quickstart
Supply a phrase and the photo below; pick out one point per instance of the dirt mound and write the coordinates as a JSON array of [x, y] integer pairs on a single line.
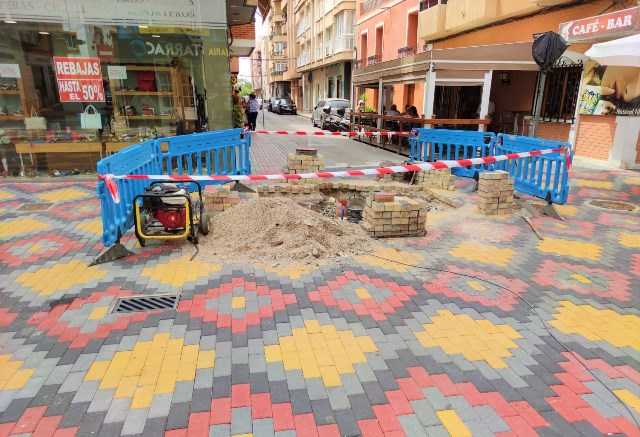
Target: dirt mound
[[277, 231]]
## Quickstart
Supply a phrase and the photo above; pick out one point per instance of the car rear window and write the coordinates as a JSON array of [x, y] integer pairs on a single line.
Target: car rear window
[[339, 104], [287, 101]]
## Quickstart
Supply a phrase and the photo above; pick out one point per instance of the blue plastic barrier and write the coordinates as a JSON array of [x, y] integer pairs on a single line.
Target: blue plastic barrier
[[545, 176], [117, 218], [220, 152], [432, 145]]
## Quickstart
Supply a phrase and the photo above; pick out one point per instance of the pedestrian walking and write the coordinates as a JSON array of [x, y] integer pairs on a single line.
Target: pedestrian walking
[[252, 111]]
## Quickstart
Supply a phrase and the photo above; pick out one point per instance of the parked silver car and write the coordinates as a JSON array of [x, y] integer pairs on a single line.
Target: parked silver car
[[319, 117]]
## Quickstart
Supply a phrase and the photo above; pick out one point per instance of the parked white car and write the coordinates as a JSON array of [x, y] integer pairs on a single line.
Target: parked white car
[[319, 117]]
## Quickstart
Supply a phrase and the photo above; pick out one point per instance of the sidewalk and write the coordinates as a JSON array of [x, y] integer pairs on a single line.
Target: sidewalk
[[478, 328]]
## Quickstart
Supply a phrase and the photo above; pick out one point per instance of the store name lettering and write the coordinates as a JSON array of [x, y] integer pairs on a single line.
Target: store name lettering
[[217, 51], [596, 26], [170, 49]]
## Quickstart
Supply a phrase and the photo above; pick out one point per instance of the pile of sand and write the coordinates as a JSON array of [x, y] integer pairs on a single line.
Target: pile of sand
[[277, 231]]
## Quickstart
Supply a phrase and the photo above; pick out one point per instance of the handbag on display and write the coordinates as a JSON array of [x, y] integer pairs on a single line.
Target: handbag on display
[[90, 120], [34, 122], [146, 81]]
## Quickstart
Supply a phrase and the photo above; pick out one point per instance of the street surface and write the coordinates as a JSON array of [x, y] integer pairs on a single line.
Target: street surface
[[478, 328]]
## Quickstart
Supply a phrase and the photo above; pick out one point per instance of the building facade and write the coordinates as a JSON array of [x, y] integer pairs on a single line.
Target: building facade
[[487, 46], [96, 75]]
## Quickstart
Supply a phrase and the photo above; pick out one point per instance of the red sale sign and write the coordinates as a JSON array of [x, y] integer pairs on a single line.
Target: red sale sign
[[79, 79]]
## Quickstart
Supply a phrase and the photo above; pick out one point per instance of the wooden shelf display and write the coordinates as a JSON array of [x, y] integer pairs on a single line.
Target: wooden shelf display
[[16, 96], [166, 103]]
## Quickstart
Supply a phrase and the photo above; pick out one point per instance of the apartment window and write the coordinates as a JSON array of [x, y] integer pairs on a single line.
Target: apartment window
[[345, 39], [426, 4], [281, 66], [379, 36], [561, 93], [278, 48]]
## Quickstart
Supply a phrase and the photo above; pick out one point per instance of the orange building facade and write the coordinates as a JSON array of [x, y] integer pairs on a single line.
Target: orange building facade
[[473, 58]]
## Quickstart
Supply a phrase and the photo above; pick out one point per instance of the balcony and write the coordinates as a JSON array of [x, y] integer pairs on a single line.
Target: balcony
[[278, 17], [370, 6], [407, 51], [345, 43], [328, 49], [278, 36], [302, 26], [375, 59], [431, 21], [359, 63]]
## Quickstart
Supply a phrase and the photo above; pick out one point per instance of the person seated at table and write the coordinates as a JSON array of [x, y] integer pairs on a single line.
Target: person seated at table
[[412, 112], [406, 109], [393, 111]]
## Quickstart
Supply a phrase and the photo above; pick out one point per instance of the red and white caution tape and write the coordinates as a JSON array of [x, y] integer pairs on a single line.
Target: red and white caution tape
[[333, 134], [438, 165]]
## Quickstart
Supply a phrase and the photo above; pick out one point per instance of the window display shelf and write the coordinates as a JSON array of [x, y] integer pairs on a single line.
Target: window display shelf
[[11, 117], [144, 93], [148, 117], [5, 92]]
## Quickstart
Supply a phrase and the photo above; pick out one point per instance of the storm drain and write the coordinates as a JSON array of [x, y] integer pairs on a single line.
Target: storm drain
[[613, 204], [34, 206], [146, 303]]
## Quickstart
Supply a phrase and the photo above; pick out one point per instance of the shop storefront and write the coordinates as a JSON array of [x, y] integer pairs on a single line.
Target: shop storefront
[[83, 78], [608, 126]]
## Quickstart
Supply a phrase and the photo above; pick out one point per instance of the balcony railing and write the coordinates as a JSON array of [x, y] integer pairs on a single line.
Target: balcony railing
[[359, 63], [371, 5], [344, 43], [277, 73], [372, 60], [407, 51], [319, 53], [302, 26], [303, 59], [328, 49], [426, 4]]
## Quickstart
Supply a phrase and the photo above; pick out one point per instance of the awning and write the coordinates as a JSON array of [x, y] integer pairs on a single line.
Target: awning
[[623, 52], [511, 56]]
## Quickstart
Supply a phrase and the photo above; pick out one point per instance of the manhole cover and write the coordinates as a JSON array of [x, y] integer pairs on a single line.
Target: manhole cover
[[35, 206], [613, 204], [146, 303]]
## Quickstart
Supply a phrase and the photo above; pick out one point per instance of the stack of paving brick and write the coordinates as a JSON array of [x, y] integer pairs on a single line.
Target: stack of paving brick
[[305, 160], [495, 193], [442, 179], [386, 215], [286, 188], [218, 198]]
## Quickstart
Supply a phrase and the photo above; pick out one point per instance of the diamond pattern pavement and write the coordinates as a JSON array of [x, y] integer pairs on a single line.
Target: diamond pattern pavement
[[478, 328]]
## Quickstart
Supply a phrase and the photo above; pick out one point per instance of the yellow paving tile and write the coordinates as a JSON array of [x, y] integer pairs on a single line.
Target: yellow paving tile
[[166, 384], [98, 313], [63, 195], [476, 285], [206, 359], [475, 339], [190, 353], [143, 397], [631, 181], [595, 325], [127, 387], [629, 239], [238, 302], [134, 366], [564, 247], [160, 341], [391, 259], [484, 253], [91, 226], [19, 379], [628, 398], [453, 423], [316, 347], [97, 370], [176, 273], [20, 226], [330, 376], [581, 278], [112, 378], [362, 293], [594, 184], [186, 371], [60, 277], [150, 375]]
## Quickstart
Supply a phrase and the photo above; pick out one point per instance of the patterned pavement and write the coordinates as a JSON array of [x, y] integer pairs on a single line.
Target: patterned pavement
[[478, 328]]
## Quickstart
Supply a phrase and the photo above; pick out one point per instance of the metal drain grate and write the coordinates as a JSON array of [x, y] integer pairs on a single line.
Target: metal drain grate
[[34, 206], [146, 303]]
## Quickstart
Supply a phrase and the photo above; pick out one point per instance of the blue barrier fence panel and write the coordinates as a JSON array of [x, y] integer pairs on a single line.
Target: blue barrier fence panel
[[141, 159], [432, 145], [545, 176], [219, 152]]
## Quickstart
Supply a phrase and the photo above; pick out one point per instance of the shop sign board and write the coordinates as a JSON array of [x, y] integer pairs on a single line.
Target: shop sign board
[[117, 72], [172, 13], [610, 90], [79, 79], [601, 26], [10, 71]]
